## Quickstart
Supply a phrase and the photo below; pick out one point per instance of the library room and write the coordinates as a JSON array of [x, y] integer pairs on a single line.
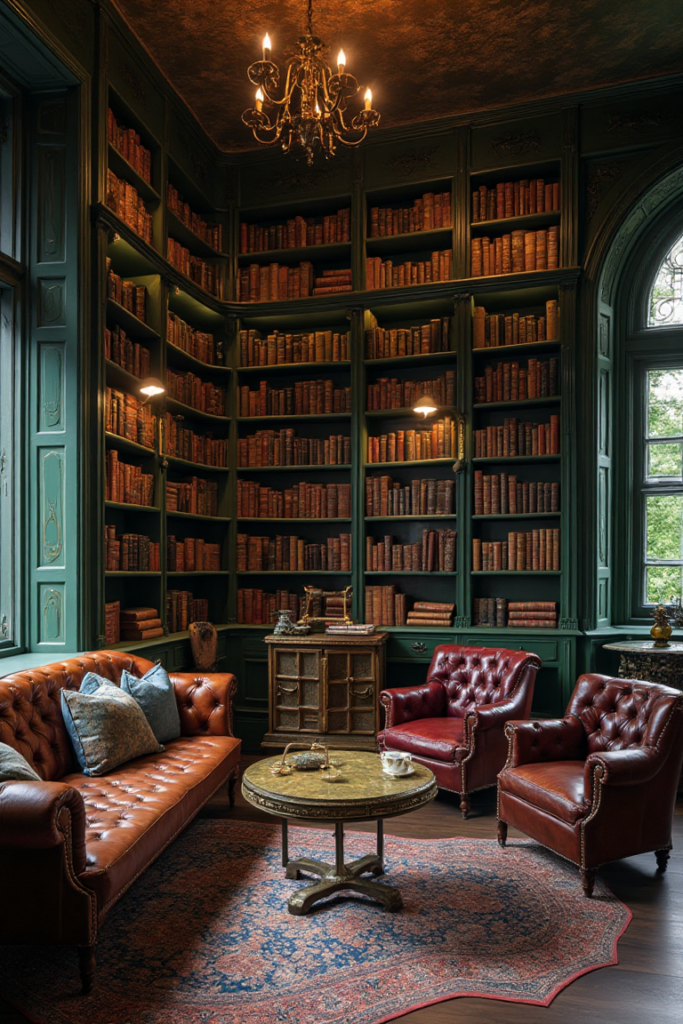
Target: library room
[[341, 512]]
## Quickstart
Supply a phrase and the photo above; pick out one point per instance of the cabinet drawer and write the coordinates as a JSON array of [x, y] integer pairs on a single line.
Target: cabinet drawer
[[418, 647], [545, 649]]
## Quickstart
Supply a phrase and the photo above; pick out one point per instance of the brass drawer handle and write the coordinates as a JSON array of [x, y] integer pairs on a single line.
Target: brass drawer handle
[[367, 692], [419, 647], [286, 689]]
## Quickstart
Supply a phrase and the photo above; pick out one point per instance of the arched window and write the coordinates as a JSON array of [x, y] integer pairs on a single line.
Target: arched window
[[658, 438]]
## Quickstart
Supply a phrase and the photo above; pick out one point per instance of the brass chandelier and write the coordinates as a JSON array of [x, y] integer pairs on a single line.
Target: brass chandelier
[[312, 111]]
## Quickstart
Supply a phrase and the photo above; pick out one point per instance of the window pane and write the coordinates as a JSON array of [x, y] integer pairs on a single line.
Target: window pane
[[663, 584], [666, 298], [664, 460], [665, 403], [664, 526], [7, 624]]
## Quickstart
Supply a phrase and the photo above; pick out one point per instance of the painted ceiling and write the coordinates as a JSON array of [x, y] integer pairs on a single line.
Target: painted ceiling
[[422, 58]]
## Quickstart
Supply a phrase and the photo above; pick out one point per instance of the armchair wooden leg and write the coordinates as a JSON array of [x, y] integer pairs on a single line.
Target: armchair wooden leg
[[662, 860], [588, 880], [86, 958], [465, 804], [502, 833]]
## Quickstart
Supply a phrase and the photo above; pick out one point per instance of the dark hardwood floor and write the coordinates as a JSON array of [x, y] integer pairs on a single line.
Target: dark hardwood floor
[[645, 988]]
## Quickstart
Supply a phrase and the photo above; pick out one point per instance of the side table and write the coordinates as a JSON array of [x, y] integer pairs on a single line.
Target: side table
[[640, 659]]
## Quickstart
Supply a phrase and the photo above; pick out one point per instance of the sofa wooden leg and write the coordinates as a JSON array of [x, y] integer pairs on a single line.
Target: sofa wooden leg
[[662, 860], [588, 880], [465, 804], [502, 833], [86, 958], [232, 782]]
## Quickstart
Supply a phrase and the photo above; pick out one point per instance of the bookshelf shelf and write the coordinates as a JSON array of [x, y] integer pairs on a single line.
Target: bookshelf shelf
[[409, 519], [189, 410], [178, 357], [135, 328], [342, 365], [126, 506], [408, 572], [321, 417], [292, 469], [519, 515], [529, 221], [120, 377], [123, 169], [383, 414], [293, 572], [200, 518], [516, 459], [409, 241], [494, 351], [522, 403], [196, 467], [179, 230], [422, 359], [516, 572], [313, 253], [134, 572], [373, 466], [309, 520], [115, 441], [201, 572]]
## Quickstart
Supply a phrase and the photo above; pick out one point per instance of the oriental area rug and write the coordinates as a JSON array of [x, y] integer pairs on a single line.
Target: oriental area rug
[[204, 936]]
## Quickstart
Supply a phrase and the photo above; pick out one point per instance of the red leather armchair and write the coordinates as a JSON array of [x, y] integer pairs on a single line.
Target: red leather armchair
[[454, 723], [600, 783]]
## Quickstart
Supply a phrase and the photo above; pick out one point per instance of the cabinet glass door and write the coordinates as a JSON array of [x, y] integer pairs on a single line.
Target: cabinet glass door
[[297, 691], [351, 683]]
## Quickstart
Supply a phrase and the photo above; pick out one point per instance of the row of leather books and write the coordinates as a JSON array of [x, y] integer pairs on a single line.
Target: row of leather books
[[131, 356], [279, 348], [283, 448], [292, 553], [302, 501], [126, 416], [140, 624], [127, 203], [510, 382], [132, 297], [498, 611], [393, 393], [182, 608], [431, 210], [515, 199], [199, 344], [112, 623], [129, 552], [211, 233], [516, 253], [333, 281], [185, 443], [434, 553], [386, 606], [423, 497], [256, 607], [206, 275], [390, 342], [413, 445], [303, 398], [296, 232], [194, 554], [381, 274], [127, 142], [504, 494], [194, 495], [192, 390], [127, 483], [531, 551], [491, 330], [517, 438]]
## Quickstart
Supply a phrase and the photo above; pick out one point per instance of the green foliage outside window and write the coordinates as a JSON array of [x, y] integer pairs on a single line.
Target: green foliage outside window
[[664, 469]]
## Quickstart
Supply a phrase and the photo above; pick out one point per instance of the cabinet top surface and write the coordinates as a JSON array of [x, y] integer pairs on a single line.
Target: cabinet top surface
[[644, 647], [327, 640], [364, 790]]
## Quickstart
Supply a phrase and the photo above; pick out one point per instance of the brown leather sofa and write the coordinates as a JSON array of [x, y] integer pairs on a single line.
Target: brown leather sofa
[[71, 845], [454, 723], [600, 783]]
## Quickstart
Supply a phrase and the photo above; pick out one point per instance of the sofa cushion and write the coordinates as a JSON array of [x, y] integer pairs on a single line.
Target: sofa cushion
[[555, 787], [155, 694], [107, 728], [14, 767], [439, 738], [132, 815]]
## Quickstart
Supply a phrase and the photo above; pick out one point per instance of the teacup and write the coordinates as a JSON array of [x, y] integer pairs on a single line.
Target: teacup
[[396, 762]]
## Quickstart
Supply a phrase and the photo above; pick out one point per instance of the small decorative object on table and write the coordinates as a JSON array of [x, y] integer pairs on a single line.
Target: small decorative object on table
[[314, 759], [326, 606], [204, 644], [661, 631], [285, 626]]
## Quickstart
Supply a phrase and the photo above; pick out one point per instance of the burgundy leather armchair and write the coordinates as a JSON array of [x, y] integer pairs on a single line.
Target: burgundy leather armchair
[[600, 783], [454, 723]]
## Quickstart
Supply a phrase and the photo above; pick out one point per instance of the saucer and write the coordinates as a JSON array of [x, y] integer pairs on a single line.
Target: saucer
[[400, 775]]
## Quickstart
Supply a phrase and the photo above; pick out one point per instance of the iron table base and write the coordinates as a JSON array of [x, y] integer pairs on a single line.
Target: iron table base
[[339, 876]]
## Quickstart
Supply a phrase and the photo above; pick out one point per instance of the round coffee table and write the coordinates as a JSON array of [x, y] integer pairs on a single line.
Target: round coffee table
[[364, 793]]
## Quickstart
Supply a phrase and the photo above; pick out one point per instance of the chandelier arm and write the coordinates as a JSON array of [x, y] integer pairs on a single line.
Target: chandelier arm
[[287, 96]]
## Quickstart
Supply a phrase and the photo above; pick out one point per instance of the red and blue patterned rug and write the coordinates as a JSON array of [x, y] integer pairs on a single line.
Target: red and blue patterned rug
[[204, 936]]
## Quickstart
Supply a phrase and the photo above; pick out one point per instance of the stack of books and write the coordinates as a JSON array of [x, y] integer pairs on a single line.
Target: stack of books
[[140, 624]]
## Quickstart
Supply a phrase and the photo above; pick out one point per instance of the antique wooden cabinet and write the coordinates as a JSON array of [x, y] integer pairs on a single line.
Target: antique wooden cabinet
[[325, 687]]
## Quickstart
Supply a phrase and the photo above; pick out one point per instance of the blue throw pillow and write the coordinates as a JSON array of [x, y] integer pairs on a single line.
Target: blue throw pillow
[[106, 728], [91, 682], [14, 767], [156, 696]]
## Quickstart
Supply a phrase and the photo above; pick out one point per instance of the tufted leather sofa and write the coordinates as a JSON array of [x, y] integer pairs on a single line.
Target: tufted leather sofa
[[71, 845], [454, 723], [600, 783]]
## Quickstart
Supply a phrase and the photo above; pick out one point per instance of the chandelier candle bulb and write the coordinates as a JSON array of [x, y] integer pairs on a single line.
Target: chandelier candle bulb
[[266, 47], [341, 62], [259, 100], [368, 99]]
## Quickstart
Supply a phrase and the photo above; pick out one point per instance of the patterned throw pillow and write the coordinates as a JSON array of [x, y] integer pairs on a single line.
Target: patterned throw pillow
[[156, 696], [106, 728], [14, 767]]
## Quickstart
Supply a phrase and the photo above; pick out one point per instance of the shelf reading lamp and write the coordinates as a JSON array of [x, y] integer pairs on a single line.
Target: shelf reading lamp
[[150, 388], [425, 405]]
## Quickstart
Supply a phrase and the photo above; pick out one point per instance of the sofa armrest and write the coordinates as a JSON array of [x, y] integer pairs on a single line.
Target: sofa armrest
[[205, 702], [407, 703], [40, 815], [628, 767], [555, 739]]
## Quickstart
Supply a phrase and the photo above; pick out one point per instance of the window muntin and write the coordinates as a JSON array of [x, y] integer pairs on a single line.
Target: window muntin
[[666, 296], [8, 579]]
